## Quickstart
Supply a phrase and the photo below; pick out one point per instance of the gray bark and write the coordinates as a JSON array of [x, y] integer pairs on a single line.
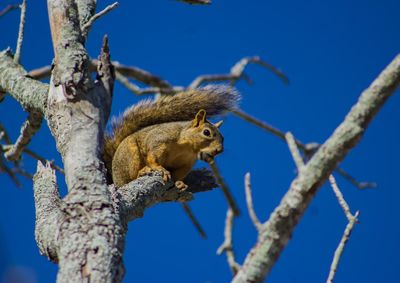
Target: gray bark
[[84, 232], [276, 232]]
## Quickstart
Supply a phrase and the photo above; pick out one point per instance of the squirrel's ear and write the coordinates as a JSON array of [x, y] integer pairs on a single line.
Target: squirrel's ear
[[200, 118], [219, 123]]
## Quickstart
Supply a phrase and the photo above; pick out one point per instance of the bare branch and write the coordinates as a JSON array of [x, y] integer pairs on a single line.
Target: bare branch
[[249, 201], [142, 91], [123, 72], [237, 72], [298, 160], [196, 2], [4, 134], [352, 180], [86, 27], [340, 248], [30, 127], [43, 160], [346, 235], [339, 196], [200, 180], [9, 172], [278, 229], [17, 55], [308, 149], [8, 8], [49, 216], [71, 60], [228, 195], [13, 79], [227, 246], [194, 220], [22, 172], [271, 129], [134, 197]]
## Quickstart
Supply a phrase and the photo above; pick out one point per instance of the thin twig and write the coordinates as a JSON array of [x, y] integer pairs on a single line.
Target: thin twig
[[282, 222], [22, 172], [196, 2], [17, 55], [133, 72], [142, 91], [194, 220], [261, 124], [237, 72], [9, 172], [294, 150], [340, 248], [339, 196], [5, 135], [229, 197], [227, 245], [86, 26], [43, 160], [308, 149], [29, 128], [8, 8], [352, 220], [352, 180], [249, 201]]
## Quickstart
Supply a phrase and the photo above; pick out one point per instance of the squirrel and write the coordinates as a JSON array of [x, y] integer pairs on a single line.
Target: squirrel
[[167, 134]]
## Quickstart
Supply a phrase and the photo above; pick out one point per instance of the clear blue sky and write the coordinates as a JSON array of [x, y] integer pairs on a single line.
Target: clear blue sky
[[331, 50]]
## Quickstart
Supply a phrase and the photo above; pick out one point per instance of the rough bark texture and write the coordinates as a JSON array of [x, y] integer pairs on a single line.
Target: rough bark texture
[[278, 229], [84, 233], [31, 94]]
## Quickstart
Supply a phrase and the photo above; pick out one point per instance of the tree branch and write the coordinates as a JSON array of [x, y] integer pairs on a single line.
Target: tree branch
[[298, 159], [227, 245], [249, 201], [227, 193], [30, 127], [237, 72], [86, 26], [278, 229], [17, 55], [134, 197], [352, 220], [339, 250], [31, 94], [49, 215], [8, 8], [71, 59], [194, 220]]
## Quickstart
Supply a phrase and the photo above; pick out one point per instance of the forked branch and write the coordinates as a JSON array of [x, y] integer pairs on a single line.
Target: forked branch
[[278, 229]]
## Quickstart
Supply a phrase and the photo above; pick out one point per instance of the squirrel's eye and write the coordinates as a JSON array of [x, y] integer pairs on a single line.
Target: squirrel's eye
[[206, 133]]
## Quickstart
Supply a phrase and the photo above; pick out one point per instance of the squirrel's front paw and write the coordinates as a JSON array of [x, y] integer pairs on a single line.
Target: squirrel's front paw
[[181, 185], [147, 170]]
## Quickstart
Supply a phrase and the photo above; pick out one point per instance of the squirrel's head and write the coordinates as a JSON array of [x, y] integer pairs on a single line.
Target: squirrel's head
[[204, 136]]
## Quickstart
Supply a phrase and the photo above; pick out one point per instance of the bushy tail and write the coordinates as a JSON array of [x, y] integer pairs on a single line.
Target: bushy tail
[[215, 99]]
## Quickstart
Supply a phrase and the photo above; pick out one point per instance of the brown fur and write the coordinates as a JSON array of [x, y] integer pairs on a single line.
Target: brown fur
[[158, 135]]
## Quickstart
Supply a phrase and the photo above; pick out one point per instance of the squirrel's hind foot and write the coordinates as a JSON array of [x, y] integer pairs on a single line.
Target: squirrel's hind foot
[[166, 175], [181, 186]]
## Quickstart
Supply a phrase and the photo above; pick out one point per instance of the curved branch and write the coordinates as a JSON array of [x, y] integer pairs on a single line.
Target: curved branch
[[28, 130], [278, 229], [127, 71]]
